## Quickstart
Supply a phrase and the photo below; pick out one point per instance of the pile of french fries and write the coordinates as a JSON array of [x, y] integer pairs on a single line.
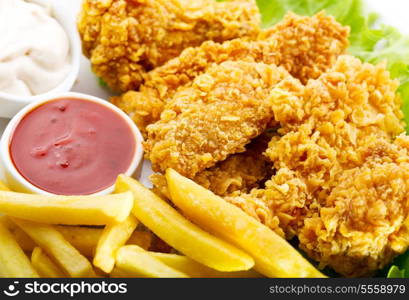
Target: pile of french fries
[[100, 236]]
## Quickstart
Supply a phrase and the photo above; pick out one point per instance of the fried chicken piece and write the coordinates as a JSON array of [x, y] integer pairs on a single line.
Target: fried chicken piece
[[341, 183], [240, 172], [218, 115], [364, 223], [124, 39], [305, 46], [160, 185]]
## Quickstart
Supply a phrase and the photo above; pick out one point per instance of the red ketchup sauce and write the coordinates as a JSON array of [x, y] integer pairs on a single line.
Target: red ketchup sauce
[[72, 147]]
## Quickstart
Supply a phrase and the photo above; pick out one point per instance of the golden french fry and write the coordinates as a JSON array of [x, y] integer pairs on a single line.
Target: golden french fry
[[44, 265], [194, 269], [100, 274], [180, 233], [68, 210], [113, 237], [3, 187], [84, 239], [53, 243], [137, 262], [274, 256], [118, 273], [13, 261], [142, 239], [24, 241]]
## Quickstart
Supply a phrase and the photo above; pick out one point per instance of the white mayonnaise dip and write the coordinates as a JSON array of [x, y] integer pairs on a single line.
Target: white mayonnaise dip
[[34, 49]]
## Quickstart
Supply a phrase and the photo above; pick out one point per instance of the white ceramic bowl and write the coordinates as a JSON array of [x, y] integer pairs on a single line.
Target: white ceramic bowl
[[11, 104], [18, 183]]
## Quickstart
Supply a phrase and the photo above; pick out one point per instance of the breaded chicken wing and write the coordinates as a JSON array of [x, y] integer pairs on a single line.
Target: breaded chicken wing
[[341, 183], [305, 46], [126, 38], [217, 115]]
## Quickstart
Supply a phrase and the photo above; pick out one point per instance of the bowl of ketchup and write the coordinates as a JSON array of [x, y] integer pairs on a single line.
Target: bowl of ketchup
[[72, 144]]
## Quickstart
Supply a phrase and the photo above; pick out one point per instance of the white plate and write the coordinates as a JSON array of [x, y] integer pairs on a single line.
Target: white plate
[[393, 12]]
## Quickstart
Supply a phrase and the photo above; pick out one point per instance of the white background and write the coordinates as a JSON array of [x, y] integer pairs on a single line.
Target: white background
[[393, 12]]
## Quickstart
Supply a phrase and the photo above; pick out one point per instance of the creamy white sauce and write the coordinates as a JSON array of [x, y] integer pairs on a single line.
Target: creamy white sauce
[[34, 49]]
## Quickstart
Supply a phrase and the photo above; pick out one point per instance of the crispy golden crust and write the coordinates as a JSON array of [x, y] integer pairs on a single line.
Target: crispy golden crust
[[341, 184], [305, 46], [364, 222], [160, 185], [239, 172], [126, 38], [216, 116], [255, 206]]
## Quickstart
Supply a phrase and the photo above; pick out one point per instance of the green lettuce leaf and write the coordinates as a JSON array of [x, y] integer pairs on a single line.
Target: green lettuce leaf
[[395, 272], [400, 267], [370, 41]]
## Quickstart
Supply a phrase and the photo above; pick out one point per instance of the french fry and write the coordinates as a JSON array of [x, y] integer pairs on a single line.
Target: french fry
[[100, 274], [137, 262], [274, 256], [118, 273], [195, 270], [13, 261], [24, 241], [68, 210], [84, 239], [53, 243], [44, 265], [142, 239], [3, 187], [180, 233], [113, 237]]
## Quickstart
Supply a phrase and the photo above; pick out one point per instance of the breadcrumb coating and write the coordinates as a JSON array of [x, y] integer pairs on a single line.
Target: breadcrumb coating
[[216, 116], [364, 222], [305, 46], [239, 172], [160, 185], [124, 39], [341, 182]]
